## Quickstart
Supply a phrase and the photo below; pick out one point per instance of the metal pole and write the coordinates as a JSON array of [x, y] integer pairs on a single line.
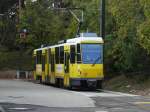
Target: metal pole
[[102, 27], [20, 55], [102, 19]]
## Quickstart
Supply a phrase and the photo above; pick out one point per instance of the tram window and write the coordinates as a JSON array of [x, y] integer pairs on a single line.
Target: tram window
[[72, 54], [57, 55], [35, 61], [36, 58], [49, 54], [78, 53], [52, 63], [61, 54], [43, 62], [39, 57], [46, 56]]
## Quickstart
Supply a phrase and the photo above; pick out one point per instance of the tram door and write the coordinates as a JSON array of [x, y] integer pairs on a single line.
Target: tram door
[[52, 77], [66, 63], [43, 67]]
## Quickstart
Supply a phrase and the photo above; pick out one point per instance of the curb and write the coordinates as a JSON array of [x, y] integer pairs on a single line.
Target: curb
[[117, 93]]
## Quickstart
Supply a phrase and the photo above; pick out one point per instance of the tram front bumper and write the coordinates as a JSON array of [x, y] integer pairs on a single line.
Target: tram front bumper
[[83, 81]]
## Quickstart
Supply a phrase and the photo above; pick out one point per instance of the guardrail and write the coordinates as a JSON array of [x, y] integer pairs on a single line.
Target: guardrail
[[23, 74]]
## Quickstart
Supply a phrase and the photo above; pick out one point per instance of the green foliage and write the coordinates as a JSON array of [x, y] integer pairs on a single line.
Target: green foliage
[[144, 28], [41, 23], [144, 35], [125, 23], [15, 60], [127, 42], [49, 26]]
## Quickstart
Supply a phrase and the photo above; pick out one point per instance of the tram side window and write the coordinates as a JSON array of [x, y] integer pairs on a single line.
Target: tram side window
[[35, 61], [57, 55], [52, 63], [39, 57], [72, 54], [36, 58], [61, 54], [78, 53], [49, 54], [43, 62], [46, 56]]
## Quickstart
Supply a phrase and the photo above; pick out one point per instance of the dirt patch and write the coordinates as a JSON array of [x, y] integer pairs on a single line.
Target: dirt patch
[[128, 85]]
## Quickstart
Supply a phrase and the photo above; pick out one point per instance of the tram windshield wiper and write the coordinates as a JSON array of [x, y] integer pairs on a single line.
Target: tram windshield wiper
[[96, 61]]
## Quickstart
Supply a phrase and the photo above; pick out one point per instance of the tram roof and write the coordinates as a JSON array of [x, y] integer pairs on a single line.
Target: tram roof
[[75, 41]]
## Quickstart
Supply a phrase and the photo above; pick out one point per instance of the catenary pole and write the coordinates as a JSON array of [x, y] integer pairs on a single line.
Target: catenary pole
[[102, 19]]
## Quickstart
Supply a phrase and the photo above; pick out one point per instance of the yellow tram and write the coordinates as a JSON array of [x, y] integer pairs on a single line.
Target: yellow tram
[[76, 62]]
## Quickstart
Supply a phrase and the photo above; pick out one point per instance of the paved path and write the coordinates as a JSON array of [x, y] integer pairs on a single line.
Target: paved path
[[23, 96]]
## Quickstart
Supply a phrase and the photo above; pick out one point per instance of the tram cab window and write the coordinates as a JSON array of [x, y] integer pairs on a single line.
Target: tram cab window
[[57, 55], [72, 54], [61, 55], [92, 53], [78, 53]]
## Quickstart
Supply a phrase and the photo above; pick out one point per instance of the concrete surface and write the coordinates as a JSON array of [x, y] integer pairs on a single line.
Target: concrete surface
[[23, 96], [21, 92]]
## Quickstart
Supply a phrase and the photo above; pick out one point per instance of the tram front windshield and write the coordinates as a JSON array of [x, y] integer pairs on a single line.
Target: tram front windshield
[[92, 53]]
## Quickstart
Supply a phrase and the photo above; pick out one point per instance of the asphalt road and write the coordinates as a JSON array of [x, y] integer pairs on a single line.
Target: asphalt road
[[23, 96]]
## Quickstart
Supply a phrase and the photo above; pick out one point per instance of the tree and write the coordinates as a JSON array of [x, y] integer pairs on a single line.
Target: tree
[[122, 49], [144, 27], [43, 25]]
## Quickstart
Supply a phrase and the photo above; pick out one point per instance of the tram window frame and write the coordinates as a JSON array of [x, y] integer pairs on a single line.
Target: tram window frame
[[61, 54], [72, 54], [78, 53], [57, 57]]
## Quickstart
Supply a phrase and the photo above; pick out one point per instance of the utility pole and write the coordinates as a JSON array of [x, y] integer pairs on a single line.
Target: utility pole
[[102, 19], [20, 46]]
